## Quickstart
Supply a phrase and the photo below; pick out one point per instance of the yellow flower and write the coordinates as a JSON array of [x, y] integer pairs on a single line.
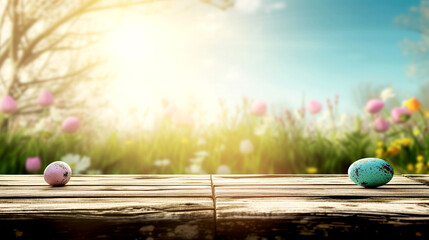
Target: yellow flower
[[185, 140], [406, 142], [311, 170], [128, 142], [410, 167], [412, 104], [393, 150], [419, 167], [380, 144], [379, 152], [426, 113], [416, 131], [420, 158]]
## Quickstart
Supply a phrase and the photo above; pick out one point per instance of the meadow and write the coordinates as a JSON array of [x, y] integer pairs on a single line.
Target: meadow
[[247, 139]]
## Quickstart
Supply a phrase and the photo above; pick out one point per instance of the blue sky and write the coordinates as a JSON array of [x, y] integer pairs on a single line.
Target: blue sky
[[312, 47], [275, 50]]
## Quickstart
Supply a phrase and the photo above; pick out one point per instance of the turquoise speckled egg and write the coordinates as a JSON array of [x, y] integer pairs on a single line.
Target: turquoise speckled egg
[[370, 172]]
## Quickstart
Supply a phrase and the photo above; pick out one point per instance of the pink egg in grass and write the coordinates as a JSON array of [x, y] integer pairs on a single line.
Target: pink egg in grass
[[57, 173]]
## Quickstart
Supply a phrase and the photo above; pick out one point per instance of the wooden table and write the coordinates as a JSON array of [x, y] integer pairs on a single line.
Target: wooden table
[[212, 207]]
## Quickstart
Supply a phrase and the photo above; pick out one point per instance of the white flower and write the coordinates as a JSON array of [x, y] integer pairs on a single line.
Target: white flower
[[223, 169], [260, 130], [220, 148], [195, 169], [162, 162], [246, 146], [201, 142], [77, 163], [387, 93], [201, 154], [196, 160]]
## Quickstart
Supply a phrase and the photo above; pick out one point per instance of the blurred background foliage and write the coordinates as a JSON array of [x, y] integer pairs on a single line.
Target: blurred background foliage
[[56, 100]]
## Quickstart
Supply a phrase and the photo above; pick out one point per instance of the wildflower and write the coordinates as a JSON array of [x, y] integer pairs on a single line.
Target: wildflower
[[387, 93], [410, 167], [420, 158], [393, 150], [311, 170], [416, 131], [220, 148], [201, 154], [412, 104], [374, 106], [71, 124], [246, 146], [162, 162], [77, 163], [195, 169], [33, 164], [259, 108], [314, 106], [8, 105], [260, 130], [406, 142], [169, 111], [400, 114], [419, 167], [46, 99], [181, 119], [196, 160], [201, 142], [185, 140], [381, 125], [379, 152], [223, 169], [380, 144]]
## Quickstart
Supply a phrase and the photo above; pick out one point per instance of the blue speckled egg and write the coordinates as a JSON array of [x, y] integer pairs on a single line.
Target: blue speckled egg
[[370, 172]]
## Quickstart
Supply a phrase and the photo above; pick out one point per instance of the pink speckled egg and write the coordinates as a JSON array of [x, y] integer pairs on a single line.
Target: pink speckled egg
[[57, 173]]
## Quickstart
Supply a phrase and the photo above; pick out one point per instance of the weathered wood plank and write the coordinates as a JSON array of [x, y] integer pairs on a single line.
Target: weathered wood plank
[[286, 179], [421, 178], [101, 180], [301, 191], [114, 209], [278, 207], [104, 191], [319, 217]]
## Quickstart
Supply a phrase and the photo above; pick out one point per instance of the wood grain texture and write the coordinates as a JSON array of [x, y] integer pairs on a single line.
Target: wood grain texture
[[233, 207], [107, 206], [111, 180], [326, 191], [296, 179], [319, 206], [104, 191]]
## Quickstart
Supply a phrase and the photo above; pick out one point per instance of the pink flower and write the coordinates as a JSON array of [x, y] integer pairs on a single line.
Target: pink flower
[[46, 99], [181, 119], [259, 108], [314, 107], [381, 125], [33, 164], [71, 124], [8, 105], [400, 114], [374, 106], [169, 111]]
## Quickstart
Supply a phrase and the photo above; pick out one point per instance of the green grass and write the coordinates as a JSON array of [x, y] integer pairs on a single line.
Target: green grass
[[286, 144]]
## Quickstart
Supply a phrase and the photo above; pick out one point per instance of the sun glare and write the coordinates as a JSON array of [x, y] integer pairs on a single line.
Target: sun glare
[[150, 60]]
